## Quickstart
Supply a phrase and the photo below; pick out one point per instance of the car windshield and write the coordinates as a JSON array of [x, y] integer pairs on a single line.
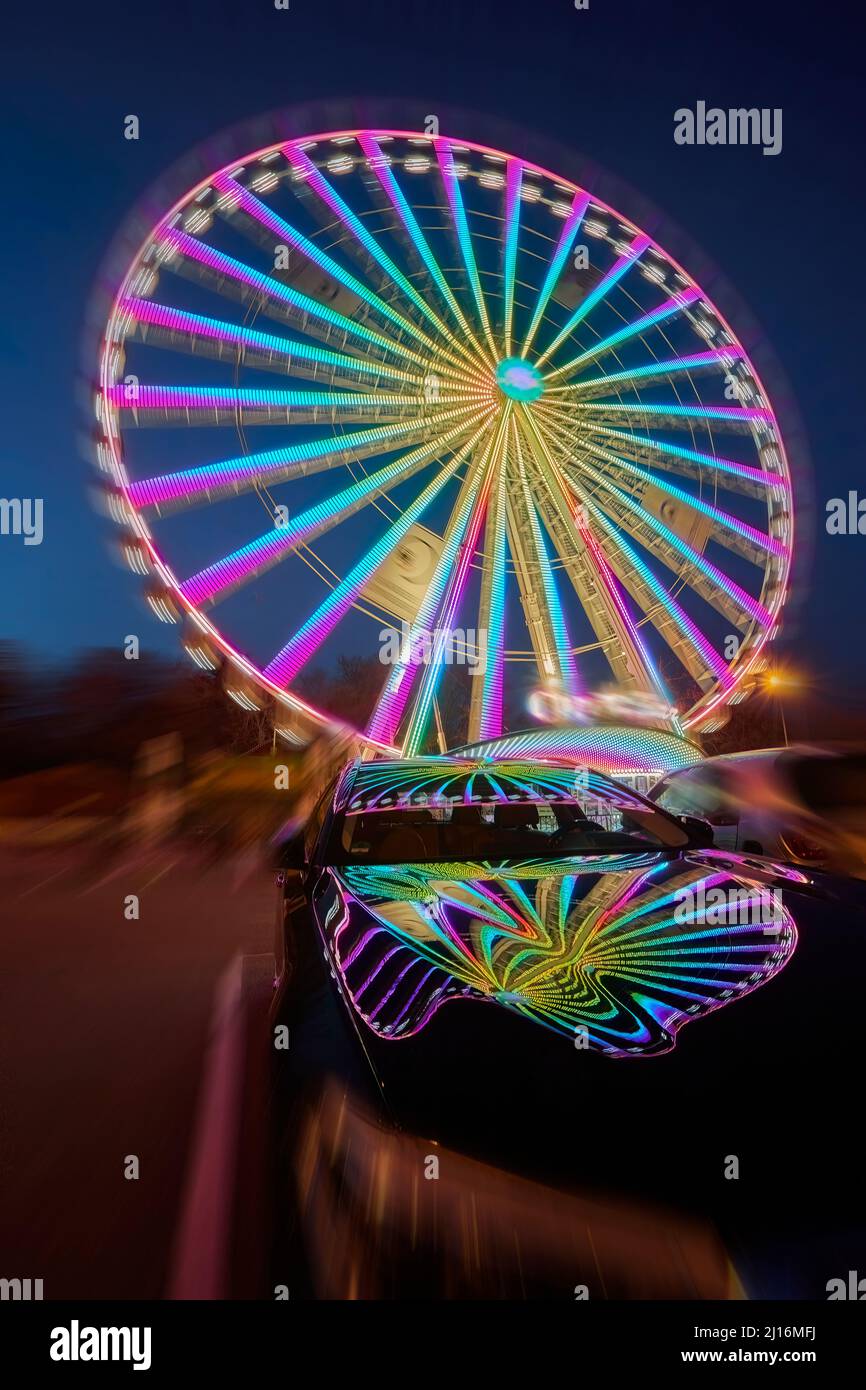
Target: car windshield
[[400, 813]]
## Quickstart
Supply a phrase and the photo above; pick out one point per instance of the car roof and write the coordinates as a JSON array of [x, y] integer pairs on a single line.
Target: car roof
[[752, 756]]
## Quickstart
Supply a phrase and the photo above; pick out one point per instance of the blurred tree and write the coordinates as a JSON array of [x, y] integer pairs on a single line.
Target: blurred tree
[[350, 692]]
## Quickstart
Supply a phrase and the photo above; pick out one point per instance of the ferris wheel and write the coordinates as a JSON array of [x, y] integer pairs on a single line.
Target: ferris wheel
[[379, 379]]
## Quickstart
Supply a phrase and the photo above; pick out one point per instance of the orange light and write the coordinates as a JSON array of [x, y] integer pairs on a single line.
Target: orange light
[[777, 680]]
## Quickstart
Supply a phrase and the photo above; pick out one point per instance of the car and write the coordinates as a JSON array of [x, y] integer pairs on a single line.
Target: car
[[411, 871], [541, 971], [801, 804]]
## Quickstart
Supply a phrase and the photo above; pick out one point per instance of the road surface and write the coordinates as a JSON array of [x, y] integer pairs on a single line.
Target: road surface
[[103, 1031]]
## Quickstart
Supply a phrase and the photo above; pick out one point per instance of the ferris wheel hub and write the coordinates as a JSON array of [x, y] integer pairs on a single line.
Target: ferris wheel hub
[[519, 380]]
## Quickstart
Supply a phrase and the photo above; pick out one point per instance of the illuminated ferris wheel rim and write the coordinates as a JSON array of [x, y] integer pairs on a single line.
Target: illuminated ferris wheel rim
[[531, 387]]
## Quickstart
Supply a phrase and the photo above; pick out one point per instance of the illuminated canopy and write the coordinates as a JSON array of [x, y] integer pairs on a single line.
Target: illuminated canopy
[[614, 749]]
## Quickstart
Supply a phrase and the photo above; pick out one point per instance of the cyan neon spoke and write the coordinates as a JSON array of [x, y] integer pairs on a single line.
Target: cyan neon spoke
[[514, 178], [686, 625], [144, 397], [222, 264], [259, 554], [602, 289], [770, 544], [329, 195], [389, 183], [698, 361], [744, 600], [674, 305], [690, 630], [570, 228], [264, 215], [614, 593], [310, 636], [392, 702], [606, 581], [145, 311], [736, 415], [493, 595], [711, 461], [456, 588], [293, 459], [565, 656], [451, 183]]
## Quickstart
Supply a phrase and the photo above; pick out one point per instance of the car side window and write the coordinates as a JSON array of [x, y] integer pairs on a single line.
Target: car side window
[[728, 796], [702, 792], [679, 797]]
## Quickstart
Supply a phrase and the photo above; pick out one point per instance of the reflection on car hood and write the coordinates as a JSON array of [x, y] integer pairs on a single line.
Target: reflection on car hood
[[616, 952]]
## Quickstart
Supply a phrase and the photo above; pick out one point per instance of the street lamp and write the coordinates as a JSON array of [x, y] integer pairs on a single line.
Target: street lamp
[[777, 683]]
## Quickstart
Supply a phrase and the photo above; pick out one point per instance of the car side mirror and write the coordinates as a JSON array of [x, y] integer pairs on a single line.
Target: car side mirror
[[700, 832]]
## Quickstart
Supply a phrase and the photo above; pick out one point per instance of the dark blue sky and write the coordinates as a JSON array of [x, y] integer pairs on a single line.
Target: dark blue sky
[[785, 231]]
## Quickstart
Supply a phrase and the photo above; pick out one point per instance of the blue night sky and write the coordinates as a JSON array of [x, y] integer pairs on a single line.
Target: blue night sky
[[605, 82]]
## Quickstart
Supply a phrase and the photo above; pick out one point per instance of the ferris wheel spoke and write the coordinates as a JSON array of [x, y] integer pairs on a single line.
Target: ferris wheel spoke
[[513, 186], [492, 472], [397, 198], [320, 185], [543, 610], [242, 198], [486, 702], [706, 579], [456, 588], [691, 463], [602, 289], [697, 363], [682, 635], [567, 236], [730, 530], [451, 184], [277, 465], [674, 305], [590, 575], [296, 653], [250, 561], [162, 326], [638, 578], [146, 404], [738, 419], [439, 605], [205, 258]]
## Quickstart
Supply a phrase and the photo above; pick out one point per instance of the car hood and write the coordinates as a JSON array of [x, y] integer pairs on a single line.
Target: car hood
[[616, 952]]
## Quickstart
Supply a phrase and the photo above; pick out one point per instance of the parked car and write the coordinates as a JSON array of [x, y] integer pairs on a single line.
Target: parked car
[[800, 804], [528, 968], [546, 973], [433, 879]]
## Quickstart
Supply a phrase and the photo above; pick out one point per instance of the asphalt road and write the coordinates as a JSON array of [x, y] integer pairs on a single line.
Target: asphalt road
[[103, 1029]]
